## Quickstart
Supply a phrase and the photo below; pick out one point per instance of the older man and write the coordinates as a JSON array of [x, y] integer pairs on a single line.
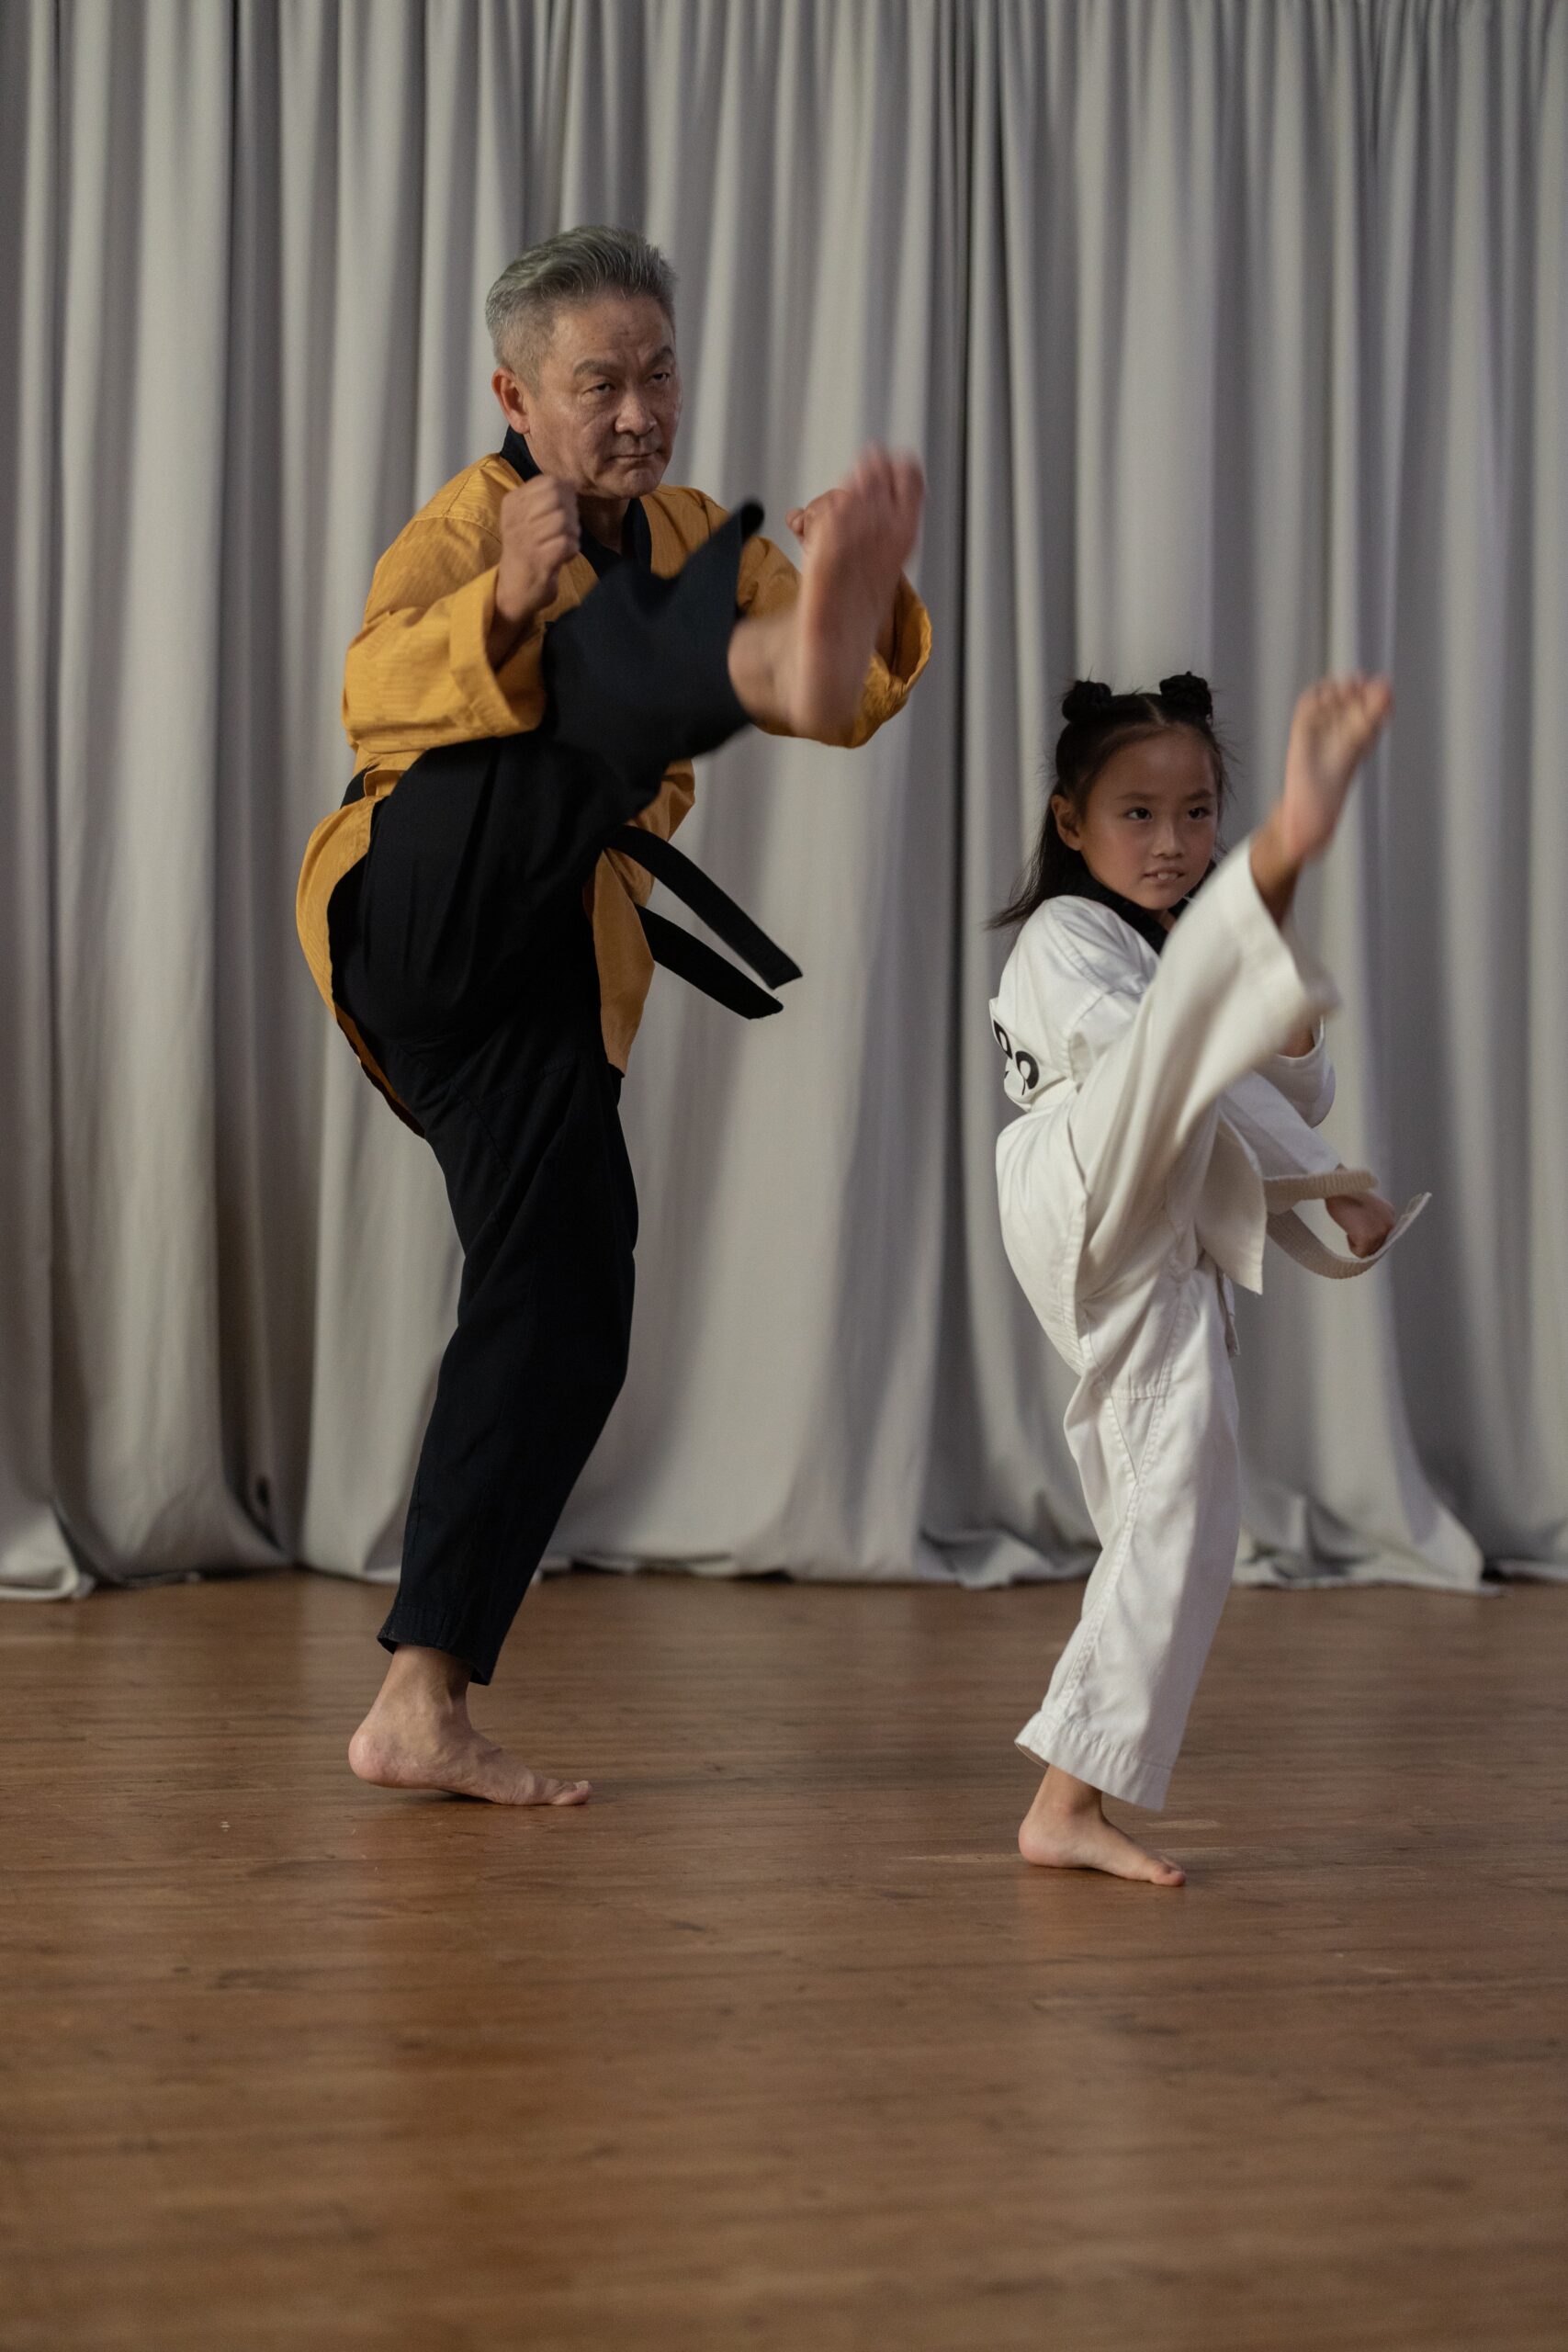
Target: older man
[[546, 647]]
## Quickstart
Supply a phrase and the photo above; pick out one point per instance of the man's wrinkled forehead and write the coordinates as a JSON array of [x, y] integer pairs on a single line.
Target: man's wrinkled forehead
[[598, 364], [610, 331]]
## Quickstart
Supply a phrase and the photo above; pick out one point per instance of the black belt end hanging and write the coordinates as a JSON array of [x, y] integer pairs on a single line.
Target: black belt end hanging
[[692, 959]]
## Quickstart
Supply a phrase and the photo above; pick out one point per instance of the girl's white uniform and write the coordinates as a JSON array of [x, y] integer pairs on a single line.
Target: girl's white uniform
[[1163, 1135]]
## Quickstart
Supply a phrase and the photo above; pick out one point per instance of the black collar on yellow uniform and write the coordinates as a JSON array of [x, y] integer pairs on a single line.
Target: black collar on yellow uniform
[[636, 539]]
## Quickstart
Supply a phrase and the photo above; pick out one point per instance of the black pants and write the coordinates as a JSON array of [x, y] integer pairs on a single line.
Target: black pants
[[462, 952]]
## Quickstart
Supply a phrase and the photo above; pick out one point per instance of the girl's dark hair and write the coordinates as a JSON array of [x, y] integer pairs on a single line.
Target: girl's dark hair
[[1099, 724]]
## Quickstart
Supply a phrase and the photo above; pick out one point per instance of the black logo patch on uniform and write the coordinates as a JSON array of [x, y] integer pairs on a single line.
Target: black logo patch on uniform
[[1027, 1068]]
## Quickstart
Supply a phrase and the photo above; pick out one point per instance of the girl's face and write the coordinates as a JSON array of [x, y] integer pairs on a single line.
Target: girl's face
[[1151, 818]]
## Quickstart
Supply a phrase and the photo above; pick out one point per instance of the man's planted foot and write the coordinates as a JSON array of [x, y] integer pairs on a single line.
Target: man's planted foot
[[429, 1748]]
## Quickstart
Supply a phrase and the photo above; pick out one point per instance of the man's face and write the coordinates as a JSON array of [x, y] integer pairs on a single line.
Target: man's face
[[604, 414]]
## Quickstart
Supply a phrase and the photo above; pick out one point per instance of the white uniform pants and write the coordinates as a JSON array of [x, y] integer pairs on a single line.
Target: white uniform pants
[[1100, 1195], [1161, 1476]]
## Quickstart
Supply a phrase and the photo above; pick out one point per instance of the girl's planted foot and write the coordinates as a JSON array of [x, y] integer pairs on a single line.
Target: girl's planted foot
[[1066, 1829]]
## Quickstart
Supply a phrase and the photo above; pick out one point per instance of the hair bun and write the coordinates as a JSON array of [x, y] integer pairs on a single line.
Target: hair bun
[[1085, 698], [1188, 694]]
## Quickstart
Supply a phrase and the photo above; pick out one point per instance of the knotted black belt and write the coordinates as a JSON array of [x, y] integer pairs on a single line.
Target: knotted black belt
[[693, 960]]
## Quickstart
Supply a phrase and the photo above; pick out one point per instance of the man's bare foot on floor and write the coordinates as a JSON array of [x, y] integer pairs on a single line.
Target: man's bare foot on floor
[[1066, 1829], [418, 1735], [804, 670]]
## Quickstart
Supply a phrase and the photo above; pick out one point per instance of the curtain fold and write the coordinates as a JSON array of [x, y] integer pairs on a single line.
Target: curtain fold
[[36, 1557], [1472, 129], [1233, 338]]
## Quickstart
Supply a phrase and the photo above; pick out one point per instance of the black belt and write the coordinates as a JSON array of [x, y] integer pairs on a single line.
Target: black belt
[[693, 960]]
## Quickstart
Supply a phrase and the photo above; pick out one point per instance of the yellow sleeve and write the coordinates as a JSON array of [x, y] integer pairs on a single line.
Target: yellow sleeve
[[769, 583], [418, 674]]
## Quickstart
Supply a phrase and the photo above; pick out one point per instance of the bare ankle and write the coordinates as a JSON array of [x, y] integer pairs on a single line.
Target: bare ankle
[[425, 1676], [1066, 1797], [756, 648]]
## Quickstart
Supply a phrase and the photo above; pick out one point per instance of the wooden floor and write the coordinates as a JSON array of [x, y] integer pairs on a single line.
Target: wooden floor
[[777, 2044]]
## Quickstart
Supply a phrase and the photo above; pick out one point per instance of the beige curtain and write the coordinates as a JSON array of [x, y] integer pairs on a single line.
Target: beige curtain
[[1234, 337]]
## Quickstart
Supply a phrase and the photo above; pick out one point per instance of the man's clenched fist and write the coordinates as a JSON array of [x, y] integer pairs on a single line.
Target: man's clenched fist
[[539, 533]]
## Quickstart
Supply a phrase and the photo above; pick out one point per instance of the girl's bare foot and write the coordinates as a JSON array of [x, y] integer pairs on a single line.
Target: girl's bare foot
[[1336, 724], [804, 670], [1066, 1829], [418, 1735]]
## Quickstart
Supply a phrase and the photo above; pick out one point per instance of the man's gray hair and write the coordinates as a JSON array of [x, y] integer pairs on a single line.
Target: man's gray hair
[[522, 306]]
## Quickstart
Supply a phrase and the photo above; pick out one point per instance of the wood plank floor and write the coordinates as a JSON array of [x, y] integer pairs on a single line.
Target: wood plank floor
[[777, 2044]]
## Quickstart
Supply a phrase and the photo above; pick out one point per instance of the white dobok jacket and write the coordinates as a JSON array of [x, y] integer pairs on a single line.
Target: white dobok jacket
[[1196, 1052]]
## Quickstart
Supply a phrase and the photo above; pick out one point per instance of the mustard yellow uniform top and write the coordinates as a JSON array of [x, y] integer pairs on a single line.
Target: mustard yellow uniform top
[[417, 676]]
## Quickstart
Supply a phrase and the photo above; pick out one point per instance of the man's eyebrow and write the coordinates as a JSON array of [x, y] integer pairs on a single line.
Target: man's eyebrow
[[607, 367]]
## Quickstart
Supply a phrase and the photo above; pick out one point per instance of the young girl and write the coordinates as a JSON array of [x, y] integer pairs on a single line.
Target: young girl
[[1161, 1024]]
